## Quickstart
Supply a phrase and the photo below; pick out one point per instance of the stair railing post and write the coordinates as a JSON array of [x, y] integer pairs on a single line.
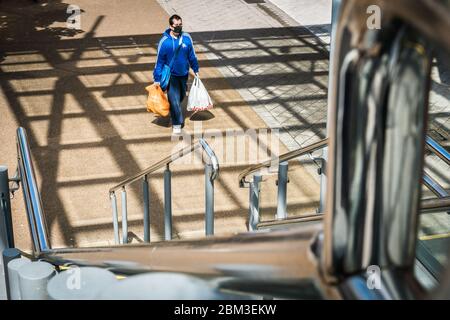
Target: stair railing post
[[146, 209], [6, 229], [282, 190], [124, 217], [115, 216], [254, 192], [167, 204], [209, 201]]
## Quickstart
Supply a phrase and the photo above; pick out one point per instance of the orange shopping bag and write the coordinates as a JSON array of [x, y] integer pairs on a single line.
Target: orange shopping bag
[[157, 101]]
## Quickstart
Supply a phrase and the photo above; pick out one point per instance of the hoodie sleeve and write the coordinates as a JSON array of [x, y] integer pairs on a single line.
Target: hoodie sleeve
[[161, 59], [192, 56]]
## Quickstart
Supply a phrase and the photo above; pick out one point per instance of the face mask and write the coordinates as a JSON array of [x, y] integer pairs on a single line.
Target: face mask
[[177, 29]]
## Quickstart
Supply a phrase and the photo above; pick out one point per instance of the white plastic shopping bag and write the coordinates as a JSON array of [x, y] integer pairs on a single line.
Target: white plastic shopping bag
[[199, 98]]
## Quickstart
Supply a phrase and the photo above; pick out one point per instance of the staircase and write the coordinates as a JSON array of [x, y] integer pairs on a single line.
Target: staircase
[[120, 277], [283, 253]]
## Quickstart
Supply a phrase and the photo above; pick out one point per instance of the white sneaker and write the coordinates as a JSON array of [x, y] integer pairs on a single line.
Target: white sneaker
[[176, 129]]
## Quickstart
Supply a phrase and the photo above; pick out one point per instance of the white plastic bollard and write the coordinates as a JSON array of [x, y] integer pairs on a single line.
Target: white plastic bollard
[[160, 285], [13, 276], [33, 279], [84, 283]]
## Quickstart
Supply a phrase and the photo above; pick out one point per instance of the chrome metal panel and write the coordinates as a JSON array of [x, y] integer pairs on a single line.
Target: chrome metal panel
[[379, 102]]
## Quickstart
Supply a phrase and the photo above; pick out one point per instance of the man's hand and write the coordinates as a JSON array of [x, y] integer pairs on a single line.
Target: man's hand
[[197, 75], [157, 84]]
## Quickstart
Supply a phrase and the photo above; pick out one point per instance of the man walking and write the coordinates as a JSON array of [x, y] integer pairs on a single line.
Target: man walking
[[176, 48]]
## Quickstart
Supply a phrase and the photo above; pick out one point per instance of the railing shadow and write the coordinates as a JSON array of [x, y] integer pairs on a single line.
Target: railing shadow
[[65, 75]]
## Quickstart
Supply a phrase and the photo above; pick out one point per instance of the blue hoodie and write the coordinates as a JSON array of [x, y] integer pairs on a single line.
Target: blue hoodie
[[186, 55]]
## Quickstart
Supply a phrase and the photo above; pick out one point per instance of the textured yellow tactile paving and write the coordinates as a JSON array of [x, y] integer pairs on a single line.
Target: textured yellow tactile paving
[[89, 129]]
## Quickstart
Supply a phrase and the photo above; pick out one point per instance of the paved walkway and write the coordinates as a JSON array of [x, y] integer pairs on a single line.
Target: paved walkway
[[278, 67], [313, 15], [81, 98]]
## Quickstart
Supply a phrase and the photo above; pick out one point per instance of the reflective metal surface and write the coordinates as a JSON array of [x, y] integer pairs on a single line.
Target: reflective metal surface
[[434, 186], [32, 197], [280, 261], [380, 100], [291, 220], [438, 150], [435, 205]]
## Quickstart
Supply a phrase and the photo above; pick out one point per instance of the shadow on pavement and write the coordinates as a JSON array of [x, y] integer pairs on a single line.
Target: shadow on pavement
[[43, 76]]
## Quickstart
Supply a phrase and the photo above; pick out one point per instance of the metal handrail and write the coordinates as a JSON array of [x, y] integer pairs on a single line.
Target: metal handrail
[[435, 205], [431, 144], [426, 206], [434, 186], [291, 220], [254, 185], [436, 148], [282, 158], [32, 197], [427, 180], [211, 173], [201, 256], [173, 157]]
